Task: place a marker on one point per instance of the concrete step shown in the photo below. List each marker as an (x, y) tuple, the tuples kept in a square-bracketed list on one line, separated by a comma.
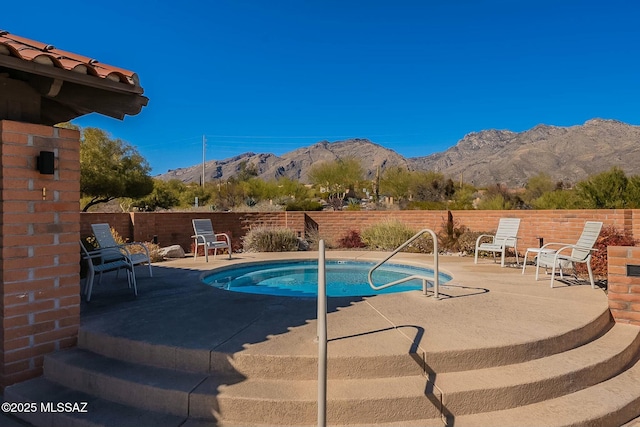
[(146, 387), (99, 412), (284, 400), (611, 403), (295, 402), (413, 397), (252, 363), (502, 387)]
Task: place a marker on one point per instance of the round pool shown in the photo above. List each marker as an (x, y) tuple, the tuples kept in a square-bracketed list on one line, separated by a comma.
[(300, 278)]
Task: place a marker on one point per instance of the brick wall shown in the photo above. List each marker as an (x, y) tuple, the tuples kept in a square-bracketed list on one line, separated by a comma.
[(175, 228), (624, 292), (39, 256)]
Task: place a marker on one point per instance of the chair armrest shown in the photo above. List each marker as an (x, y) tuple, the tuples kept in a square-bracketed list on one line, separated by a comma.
[(226, 237), (99, 254), (481, 236), (560, 244), (199, 237)]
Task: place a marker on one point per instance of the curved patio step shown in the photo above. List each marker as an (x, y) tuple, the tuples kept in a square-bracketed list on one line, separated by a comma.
[(503, 387), (365, 365), (290, 401), (610, 403), (99, 412), (409, 398), (141, 386)]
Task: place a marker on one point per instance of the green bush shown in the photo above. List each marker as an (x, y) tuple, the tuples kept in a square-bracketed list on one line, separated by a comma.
[(270, 239), (303, 205), (386, 235)]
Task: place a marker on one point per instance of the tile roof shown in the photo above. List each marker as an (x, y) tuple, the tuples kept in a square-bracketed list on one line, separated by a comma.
[(45, 85), (42, 53)]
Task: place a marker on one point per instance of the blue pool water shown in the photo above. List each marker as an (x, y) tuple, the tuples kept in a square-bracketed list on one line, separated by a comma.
[(300, 278)]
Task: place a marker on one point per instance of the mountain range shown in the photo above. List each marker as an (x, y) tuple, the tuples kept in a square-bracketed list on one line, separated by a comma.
[(488, 157)]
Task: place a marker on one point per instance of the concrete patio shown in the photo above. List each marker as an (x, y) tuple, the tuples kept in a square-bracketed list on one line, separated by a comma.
[(498, 348)]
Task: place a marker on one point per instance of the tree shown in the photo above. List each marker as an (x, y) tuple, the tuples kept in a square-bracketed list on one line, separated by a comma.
[(395, 182), (538, 185), (558, 199), (337, 178), (163, 196), (606, 190), (111, 168)]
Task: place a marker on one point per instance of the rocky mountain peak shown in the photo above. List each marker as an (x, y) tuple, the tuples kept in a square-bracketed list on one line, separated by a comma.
[(483, 158)]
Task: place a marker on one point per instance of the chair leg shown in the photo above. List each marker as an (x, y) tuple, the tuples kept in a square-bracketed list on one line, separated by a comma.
[(524, 262), (553, 272), (133, 279), (502, 258), (593, 285), (89, 286)]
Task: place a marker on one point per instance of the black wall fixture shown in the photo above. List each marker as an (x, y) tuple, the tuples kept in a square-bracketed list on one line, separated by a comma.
[(46, 162)]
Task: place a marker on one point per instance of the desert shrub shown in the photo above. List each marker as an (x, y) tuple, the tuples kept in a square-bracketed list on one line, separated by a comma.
[(353, 204), (303, 205), (270, 239), (351, 240), (154, 249), (386, 235), (423, 245), (449, 235), (425, 205), (609, 236), (467, 241), (313, 237)]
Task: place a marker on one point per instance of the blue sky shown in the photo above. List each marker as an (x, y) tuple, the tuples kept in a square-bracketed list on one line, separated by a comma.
[(414, 76)]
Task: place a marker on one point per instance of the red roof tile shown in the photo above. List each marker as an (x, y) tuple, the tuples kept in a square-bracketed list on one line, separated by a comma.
[(41, 53)]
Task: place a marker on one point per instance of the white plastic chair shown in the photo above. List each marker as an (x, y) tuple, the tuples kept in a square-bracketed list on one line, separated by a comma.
[(506, 237), (96, 263), (112, 250), (205, 236), (580, 252)]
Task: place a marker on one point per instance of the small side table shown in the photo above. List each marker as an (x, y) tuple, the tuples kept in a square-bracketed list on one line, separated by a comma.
[(534, 251)]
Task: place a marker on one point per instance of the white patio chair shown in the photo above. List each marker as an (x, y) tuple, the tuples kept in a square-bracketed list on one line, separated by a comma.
[(205, 236), (97, 263), (102, 233), (580, 252), (506, 237)]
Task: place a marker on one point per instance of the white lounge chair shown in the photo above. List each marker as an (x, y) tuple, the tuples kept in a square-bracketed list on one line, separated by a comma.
[(580, 252), (205, 236), (506, 237), (113, 250), (97, 263)]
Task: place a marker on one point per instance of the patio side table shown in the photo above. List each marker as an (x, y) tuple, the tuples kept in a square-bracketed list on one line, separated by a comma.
[(534, 251)]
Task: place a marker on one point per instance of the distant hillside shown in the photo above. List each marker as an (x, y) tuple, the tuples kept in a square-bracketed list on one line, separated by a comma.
[(295, 164), (566, 153), (483, 158)]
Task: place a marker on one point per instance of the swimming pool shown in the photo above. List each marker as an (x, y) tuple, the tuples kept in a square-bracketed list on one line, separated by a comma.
[(300, 278)]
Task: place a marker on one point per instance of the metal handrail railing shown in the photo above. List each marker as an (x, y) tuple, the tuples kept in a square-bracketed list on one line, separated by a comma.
[(415, 276)]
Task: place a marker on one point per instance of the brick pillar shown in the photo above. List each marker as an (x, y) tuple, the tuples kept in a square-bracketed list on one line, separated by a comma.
[(623, 290), (39, 249)]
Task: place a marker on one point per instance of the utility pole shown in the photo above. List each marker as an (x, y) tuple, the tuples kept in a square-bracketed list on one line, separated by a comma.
[(204, 152)]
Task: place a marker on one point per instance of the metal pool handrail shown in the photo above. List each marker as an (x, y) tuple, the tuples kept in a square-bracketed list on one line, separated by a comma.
[(415, 276)]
